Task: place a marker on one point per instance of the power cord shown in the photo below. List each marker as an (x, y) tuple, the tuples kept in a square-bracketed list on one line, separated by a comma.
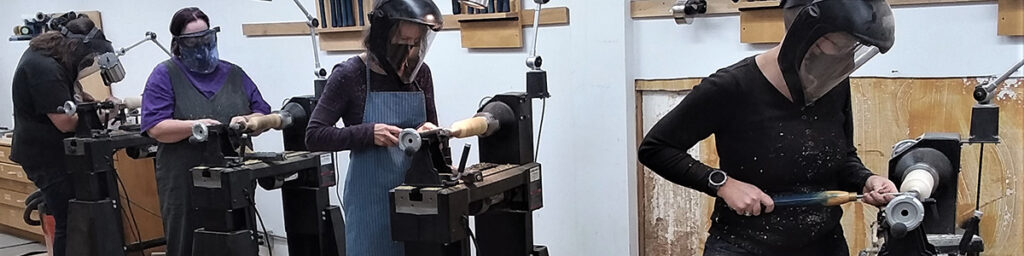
[(465, 219), (543, 109), (266, 235), (131, 211)]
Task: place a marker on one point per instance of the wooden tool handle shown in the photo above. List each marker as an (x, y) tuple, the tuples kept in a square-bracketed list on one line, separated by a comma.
[(469, 127), (838, 197), (271, 121)]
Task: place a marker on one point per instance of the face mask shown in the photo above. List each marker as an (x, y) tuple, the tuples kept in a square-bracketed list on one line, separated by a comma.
[(199, 50)]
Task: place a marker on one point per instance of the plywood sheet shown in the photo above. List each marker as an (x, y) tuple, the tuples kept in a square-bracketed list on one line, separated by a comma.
[(140, 186), (885, 112), (1011, 18)]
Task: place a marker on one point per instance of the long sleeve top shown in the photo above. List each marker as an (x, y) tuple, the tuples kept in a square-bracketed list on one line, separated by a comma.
[(344, 98), (766, 140)]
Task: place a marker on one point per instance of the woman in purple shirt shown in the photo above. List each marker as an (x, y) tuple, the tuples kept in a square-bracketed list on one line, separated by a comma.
[(194, 86), (377, 94)]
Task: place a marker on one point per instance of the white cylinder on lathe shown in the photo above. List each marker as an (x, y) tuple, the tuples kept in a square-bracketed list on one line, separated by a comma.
[(920, 181), (132, 102)]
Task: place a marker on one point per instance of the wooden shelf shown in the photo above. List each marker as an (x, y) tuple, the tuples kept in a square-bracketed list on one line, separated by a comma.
[(491, 30), (478, 17), (661, 8), (758, 4), (341, 29)]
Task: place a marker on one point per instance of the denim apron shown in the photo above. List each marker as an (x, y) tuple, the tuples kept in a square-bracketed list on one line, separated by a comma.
[(374, 171)]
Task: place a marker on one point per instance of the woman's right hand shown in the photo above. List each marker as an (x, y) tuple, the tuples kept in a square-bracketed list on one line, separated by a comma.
[(744, 198), (385, 135)]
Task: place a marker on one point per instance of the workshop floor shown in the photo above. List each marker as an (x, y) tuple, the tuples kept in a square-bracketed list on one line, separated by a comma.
[(15, 246)]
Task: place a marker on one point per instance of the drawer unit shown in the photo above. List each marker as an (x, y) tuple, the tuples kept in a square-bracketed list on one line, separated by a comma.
[(13, 172), (11, 216), (12, 198), (5, 152), (17, 186)]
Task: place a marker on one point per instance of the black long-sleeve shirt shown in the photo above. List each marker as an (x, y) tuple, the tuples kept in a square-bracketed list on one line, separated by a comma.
[(766, 140)]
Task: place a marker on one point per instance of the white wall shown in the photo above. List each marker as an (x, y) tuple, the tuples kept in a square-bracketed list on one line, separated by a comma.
[(953, 40), (588, 141), (586, 159)]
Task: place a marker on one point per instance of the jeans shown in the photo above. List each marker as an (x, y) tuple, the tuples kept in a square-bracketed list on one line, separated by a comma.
[(56, 195)]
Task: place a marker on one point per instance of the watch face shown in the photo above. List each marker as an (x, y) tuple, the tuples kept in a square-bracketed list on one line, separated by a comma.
[(717, 178)]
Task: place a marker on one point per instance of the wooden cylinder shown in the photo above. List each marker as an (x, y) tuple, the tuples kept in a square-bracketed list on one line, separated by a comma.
[(469, 127), (264, 122)]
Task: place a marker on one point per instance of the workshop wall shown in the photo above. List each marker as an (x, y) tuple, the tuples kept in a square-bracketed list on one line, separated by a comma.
[(588, 199), (674, 219)]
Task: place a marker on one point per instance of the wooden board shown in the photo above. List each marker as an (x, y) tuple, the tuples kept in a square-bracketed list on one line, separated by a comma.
[(297, 28), (1011, 18), (661, 8), (94, 85), (885, 111), (5, 154), (492, 34), (666, 84), (762, 25), (140, 186), (342, 41)]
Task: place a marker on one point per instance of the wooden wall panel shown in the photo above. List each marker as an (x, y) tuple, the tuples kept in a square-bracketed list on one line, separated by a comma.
[(885, 112)]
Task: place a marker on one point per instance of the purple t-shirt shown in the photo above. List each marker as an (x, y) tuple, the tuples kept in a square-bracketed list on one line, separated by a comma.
[(158, 97)]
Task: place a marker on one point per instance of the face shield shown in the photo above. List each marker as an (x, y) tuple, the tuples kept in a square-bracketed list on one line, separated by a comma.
[(407, 49), (831, 60), (199, 50), (829, 40)]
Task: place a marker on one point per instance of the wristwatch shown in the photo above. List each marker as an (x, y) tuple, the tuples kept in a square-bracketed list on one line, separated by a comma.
[(716, 179)]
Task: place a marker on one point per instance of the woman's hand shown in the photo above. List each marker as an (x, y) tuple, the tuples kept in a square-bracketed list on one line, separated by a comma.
[(385, 135), (744, 198), (875, 190), (426, 127)]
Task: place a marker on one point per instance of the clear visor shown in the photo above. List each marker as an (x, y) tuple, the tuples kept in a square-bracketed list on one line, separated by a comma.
[(408, 47), (830, 61), (202, 38)]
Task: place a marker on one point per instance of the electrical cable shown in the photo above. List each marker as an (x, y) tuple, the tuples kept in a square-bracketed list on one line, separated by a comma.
[(131, 211), (266, 235), (543, 109), (472, 237), (483, 100)]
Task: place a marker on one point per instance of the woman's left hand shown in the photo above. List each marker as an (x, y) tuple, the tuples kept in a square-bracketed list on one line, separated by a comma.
[(426, 127), (875, 190)]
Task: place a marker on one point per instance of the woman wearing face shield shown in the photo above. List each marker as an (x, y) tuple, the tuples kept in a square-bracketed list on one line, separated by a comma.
[(783, 124), (377, 94), (44, 79), (194, 86)]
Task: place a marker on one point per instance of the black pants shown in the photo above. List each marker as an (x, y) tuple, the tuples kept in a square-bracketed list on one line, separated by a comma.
[(56, 195), (716, 247)]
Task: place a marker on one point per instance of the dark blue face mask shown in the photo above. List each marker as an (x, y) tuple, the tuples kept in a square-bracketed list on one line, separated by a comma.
[(199, 50)]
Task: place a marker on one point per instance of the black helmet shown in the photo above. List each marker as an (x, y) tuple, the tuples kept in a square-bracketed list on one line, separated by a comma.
[(400, 34), (868, 24)]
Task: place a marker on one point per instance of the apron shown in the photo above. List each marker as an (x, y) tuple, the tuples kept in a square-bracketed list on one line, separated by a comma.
[(375, 171), (175, 160)]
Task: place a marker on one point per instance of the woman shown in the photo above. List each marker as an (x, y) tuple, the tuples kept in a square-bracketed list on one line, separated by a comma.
[(194, 86), (377, 94), (45, 79)]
